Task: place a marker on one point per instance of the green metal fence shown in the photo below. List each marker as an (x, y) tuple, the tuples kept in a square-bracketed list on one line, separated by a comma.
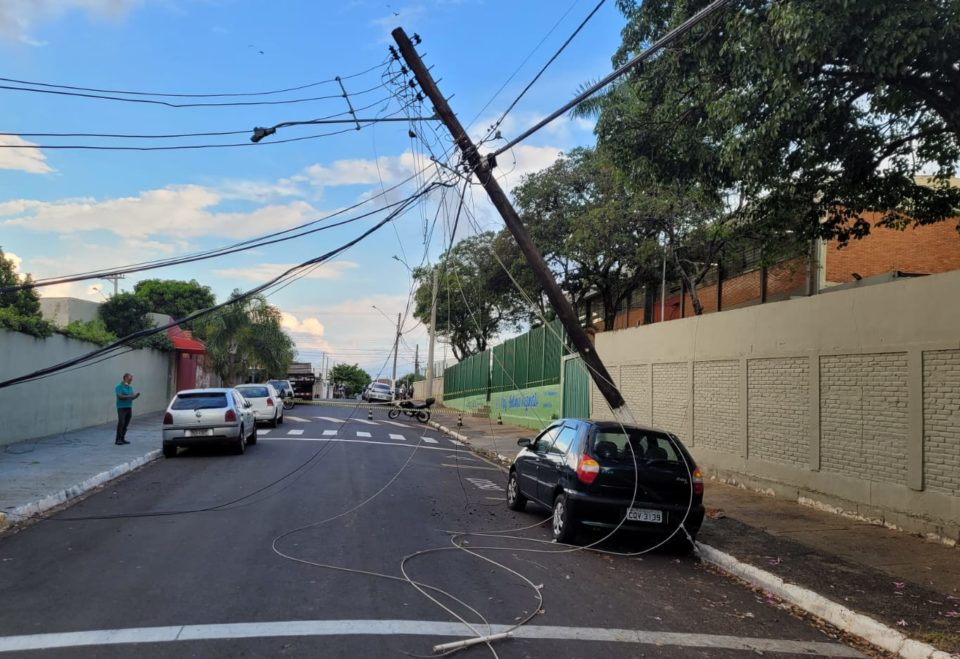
[(576, 389), (471, 377), (528, 360)]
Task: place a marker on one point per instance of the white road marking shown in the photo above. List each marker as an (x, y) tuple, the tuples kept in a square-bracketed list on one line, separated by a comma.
[(416, 447), (298, 419), (361, 433), (294, 432), (453, 441), (261, 431), (484, 484), (396, 423), (293, 628), (369, 423), (429, 440), (394, 435), (329, 418), (463, 466), (329, 432)]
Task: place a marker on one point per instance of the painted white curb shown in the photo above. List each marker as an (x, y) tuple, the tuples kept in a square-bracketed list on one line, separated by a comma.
[(26, 511), (452, 433), (837, 615)]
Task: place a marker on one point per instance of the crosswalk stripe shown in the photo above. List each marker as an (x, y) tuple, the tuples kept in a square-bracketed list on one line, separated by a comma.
[(369, 423), (263, 432), (396, 436), (361, 433), (328, 418), (429, 440), (298, 419), (396, 423), (329, 432), (294, 432)]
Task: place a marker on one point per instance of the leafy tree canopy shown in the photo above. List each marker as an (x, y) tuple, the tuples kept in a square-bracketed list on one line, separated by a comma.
[(352, 377), (475, 297), (246, 336), (814, 111), (24, 302), (124, 314)]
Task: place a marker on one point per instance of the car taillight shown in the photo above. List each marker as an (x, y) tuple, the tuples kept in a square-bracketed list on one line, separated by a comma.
[(269, 402), (587, 469), (230, 416), (168, 419), (697, 481)]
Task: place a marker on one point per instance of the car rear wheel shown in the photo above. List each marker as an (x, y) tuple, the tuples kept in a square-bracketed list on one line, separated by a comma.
[(280, 420), (515, 498), (273, 421), (169, 450), (241, 444), (253, 436), (564, 525)]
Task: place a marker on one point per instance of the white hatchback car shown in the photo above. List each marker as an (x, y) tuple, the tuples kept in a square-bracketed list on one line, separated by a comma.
[(378, 392), (204, 417), (267, 404)]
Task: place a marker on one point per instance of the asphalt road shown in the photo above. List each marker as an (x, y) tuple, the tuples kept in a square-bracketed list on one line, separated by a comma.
[(298, 548)]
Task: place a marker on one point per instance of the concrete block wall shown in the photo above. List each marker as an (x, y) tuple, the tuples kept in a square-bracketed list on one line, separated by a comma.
[(77, 398), (849, 400)]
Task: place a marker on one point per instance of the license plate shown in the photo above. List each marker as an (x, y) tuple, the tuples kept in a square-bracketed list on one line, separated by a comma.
[(645, 515), (199, 433)]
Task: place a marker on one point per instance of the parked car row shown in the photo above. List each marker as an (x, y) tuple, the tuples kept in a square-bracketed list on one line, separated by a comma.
[(221, 416)]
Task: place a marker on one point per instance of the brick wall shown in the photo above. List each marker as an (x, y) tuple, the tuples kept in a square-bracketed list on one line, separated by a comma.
[(598, 404), (941, 420), (778, 410), (929, 249), (716, 405), (635, 387), (671, 397), (864, 417)]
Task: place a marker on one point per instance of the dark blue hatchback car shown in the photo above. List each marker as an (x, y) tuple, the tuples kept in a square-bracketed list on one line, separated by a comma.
[(605, 475)]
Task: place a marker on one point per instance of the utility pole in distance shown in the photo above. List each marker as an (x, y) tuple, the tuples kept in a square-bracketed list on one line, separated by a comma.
[(483, 168), (433, 333), (396, 349)]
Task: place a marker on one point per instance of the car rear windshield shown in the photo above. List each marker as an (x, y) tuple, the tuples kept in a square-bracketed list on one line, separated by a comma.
[(253, 392), (382, 387), (614, 445), (200, 401)]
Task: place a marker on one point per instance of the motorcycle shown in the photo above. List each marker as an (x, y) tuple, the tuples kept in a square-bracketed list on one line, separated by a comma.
[(288, 402), (420, 410)]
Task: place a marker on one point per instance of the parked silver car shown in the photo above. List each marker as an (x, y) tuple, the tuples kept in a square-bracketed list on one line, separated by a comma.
[(378, 392), (267, 404), (204, 417)]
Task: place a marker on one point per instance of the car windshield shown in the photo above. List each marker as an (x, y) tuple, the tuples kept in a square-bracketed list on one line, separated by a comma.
[(253, 392), (200, 401), (382, 387), (613, 445)]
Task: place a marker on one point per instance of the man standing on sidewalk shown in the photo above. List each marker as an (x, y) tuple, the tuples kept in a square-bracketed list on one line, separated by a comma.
[(125, 398)]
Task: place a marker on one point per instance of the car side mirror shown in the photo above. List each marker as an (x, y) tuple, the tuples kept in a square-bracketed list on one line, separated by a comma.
[(524, 442)]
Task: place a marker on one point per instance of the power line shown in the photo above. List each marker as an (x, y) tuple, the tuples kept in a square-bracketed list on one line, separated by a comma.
[(147, 101), (289, 274), (544, 68), (655, 47), (184, 95)]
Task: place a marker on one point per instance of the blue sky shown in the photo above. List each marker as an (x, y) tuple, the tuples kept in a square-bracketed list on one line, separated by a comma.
[(63, 212)]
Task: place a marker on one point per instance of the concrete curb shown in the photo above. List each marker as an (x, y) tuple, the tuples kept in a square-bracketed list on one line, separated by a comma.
[(502, 459), (870, 630), (26, 511)]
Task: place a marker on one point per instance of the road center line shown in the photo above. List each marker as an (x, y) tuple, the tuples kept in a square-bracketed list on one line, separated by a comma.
[(298, 419), (419, 447), (181, 633)]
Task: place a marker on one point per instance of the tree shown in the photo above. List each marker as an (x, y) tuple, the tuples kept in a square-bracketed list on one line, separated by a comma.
[(814, 111), (353, 378), (24, 302), (596, 232), (176, 298), (475, 299), (247, 335), (125, 314)]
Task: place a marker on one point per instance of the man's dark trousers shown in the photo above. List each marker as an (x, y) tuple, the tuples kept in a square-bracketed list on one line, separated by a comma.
[(123, 420)]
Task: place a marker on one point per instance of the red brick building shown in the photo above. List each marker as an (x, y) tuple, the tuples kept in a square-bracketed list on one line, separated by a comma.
[(884, 254)]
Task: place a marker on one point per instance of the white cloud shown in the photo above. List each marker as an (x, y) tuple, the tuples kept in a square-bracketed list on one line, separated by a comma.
[(182, 211), (28, 160), (307, 333), (266, 271), (522, 160), (18, 16), (16, 260), (24, 39), (388, 169)]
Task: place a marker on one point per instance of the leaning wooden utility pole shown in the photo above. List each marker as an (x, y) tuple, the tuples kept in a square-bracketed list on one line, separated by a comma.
[(483, 168)]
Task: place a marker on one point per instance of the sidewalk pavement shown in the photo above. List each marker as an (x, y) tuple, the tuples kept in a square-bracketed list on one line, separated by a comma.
[(39, 474), (897, 591)]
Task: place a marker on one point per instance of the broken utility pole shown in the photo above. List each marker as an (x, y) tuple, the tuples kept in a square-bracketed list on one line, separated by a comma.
[(483, 168)]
